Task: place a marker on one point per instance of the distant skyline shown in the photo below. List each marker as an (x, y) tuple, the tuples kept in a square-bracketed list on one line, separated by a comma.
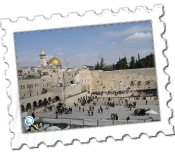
[(85, 45)]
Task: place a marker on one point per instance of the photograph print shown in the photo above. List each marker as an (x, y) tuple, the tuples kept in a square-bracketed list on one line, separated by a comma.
[(83, 77)]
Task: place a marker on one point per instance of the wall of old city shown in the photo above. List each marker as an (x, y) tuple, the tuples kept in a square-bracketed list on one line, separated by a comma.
[(68, 76), (72, 90), (86, 80), (136, 79), (70, 100), (57, 91)]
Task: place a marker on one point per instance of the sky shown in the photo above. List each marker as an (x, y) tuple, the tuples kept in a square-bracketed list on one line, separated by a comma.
[(85, 45)]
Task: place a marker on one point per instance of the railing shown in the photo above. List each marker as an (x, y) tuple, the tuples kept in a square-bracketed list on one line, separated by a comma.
[(90, 122)]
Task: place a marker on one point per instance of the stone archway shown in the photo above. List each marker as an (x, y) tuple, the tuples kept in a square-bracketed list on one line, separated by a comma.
[(45, 100), (29, 109), (49, 99), (57, 98), (22, 108), (35, 105), (40, 103)]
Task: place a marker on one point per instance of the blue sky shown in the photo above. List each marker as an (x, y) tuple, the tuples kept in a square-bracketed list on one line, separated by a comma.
[(85, 45)]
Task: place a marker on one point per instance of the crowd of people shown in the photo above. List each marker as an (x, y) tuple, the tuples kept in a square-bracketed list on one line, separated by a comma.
[(130, 105), (62, 109), (140, 111)]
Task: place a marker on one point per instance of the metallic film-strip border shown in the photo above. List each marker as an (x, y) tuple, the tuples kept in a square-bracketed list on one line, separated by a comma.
[(14, 10)]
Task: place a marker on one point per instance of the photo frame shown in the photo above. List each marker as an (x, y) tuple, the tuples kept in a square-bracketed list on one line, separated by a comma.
[(156, 136)]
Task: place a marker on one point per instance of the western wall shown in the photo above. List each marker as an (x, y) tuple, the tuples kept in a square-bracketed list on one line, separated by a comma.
[(118, 80)]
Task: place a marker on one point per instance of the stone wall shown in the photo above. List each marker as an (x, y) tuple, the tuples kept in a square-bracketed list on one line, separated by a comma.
[(136, 79), (72, 90), (86, 80), (68, 76), (70, 101)]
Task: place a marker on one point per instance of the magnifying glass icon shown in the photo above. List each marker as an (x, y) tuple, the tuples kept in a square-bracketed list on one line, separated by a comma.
[(29, 121)]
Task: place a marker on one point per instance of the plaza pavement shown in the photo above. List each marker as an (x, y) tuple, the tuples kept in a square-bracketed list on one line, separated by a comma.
[(122, 111)]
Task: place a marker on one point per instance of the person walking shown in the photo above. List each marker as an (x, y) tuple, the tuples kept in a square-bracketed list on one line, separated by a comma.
[(101, 110), (146, 102), (92, 112), (79, 108), (89, 112), (83, 109)]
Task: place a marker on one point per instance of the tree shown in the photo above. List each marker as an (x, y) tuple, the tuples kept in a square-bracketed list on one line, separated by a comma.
[(97, 67), (122, 64), (102, 64), (132, 64), (138, 57)]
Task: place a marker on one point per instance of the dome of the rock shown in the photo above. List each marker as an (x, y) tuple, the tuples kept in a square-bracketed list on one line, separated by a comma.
[(54, 61)]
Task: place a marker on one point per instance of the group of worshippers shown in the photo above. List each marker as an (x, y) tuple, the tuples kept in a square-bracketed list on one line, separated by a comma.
[(114, 116), (98, 93), (131, 105), (60, 110), (140, 111), (111, 104)]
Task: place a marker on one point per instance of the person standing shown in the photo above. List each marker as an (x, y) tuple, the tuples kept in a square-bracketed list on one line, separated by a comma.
[(89, 112), (112, 116), (56, 113), (92, 112), (83, 109), (116, 116), (79, 108), (33, 115), (101, 110), (146, 102)]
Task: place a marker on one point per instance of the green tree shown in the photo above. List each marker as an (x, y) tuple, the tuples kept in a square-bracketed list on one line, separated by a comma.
[(102, 64), (97, 67), (138, 57), (132, 64)]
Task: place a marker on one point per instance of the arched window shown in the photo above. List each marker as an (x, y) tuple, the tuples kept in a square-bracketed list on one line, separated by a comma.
[(21, 86)]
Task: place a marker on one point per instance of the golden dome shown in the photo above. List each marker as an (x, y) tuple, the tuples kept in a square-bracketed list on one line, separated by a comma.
[(54, 61)]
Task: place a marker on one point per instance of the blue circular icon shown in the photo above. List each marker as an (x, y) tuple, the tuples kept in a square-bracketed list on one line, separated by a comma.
[(29, 120)]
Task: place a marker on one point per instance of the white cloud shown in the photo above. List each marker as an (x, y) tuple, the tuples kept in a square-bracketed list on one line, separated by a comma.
[(138, 37), (128, 31), (60, 54), (113, 43), (28, 62)]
